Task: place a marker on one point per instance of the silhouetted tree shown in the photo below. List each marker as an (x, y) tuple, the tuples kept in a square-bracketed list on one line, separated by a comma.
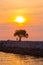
[(20, 34)]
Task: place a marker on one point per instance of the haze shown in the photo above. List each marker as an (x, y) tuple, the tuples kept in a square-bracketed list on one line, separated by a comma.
[(32, 10)]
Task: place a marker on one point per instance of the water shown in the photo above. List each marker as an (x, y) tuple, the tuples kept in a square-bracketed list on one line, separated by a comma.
[(16, 59)]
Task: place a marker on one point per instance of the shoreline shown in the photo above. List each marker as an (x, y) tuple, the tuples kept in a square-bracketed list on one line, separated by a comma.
[(23, 48)]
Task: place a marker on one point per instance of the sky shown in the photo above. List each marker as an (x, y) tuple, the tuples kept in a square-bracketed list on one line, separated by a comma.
[(32, 10)]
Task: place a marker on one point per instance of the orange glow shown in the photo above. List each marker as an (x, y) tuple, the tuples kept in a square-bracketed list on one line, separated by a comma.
[(31, 18), (20, 20)]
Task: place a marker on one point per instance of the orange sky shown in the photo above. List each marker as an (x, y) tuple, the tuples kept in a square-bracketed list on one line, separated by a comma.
[(32, 10)]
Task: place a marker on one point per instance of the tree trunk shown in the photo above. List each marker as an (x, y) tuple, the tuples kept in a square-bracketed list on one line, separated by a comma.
[(19, 38)]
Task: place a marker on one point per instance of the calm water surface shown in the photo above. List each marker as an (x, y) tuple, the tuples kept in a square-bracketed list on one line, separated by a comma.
[(16, 59)]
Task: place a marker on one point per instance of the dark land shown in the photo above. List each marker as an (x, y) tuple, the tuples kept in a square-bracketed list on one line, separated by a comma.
[(33, 48)]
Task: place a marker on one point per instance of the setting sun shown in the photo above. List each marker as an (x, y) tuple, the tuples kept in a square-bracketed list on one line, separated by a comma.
[(20, 19)]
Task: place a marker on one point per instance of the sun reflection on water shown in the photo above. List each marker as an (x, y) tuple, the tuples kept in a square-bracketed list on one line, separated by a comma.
[(16, 59)]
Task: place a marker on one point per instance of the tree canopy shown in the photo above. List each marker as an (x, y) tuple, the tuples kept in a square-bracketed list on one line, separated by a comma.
[(20, 34)]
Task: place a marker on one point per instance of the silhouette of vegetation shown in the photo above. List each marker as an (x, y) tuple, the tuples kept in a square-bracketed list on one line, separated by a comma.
[(20, 34)]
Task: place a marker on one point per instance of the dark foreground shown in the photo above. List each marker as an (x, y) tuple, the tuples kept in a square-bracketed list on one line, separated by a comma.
[(23, 51), (38, 52)]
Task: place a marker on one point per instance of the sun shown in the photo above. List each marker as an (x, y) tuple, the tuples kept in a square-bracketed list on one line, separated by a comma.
[(20, 19)]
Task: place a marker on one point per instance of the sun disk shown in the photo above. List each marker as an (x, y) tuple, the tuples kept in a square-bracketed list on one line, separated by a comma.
[(19, 19)]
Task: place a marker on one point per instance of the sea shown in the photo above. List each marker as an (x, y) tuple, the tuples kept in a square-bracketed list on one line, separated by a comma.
[(17, 59)]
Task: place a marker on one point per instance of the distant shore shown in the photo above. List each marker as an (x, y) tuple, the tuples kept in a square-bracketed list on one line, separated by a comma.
[(21, 48)]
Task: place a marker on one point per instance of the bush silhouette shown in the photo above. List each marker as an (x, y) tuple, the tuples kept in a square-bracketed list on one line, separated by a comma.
[(20, 34)]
